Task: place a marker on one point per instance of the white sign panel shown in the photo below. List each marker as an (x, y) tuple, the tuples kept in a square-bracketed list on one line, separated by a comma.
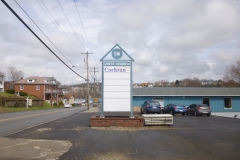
[(117, 87)]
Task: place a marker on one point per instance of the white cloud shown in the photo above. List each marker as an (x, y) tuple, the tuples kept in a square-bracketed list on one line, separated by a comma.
[(167, 39)]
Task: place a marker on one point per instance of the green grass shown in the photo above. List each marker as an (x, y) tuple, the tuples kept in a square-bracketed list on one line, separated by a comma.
[(14, 109), (4, 94), (30, 109), (7, 95)]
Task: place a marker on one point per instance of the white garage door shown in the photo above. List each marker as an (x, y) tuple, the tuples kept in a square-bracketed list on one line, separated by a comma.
[(160, 100)]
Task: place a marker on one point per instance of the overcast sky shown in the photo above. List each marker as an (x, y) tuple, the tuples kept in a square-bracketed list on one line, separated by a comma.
[(168, 40)]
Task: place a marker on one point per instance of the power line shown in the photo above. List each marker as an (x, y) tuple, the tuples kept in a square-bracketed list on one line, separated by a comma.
[(85, 32), (59, 26), (82, 26), (37, 36), (42, 31), (70, 24), (55, 25), (46, 36)]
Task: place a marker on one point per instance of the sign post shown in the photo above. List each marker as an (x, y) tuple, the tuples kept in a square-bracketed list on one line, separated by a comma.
[(27, 102), (117, 81)]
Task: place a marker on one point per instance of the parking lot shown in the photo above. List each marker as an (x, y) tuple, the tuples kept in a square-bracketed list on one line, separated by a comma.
[(190, 137)]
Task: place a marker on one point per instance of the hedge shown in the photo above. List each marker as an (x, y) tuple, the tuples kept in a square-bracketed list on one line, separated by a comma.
[(10, 91)]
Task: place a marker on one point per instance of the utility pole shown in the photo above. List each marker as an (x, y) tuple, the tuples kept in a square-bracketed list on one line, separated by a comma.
[(94, 71), (98, 88), (94, 80), (88, 100), (52, 92)]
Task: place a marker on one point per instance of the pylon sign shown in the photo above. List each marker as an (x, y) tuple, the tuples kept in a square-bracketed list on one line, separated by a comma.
[(116, 81)]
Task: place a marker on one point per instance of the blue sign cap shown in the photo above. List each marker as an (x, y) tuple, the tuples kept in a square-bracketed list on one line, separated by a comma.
[(117, 53)]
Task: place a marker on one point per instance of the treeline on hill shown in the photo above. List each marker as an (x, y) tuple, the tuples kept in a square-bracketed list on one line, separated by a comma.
[(195, 82), (231, 78)]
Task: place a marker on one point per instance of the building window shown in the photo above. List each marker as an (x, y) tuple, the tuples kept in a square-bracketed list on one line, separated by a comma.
[(227, 103), (21, 87), (30, 80), (206, 100), (38, 87)]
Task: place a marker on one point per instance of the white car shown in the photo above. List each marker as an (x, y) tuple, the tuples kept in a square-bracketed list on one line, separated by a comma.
[(67, 105)]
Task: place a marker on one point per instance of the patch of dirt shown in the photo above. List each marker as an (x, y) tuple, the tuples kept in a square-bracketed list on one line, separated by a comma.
[(44, 129)]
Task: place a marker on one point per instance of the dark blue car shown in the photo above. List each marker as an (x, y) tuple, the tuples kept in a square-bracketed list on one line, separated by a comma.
[(151, 107), (175, 109)]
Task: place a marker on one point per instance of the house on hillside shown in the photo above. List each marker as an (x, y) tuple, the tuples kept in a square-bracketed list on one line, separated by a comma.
[(45, 88), (8, 85)]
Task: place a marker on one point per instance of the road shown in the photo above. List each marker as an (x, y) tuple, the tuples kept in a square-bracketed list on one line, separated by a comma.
[(17, 121), (190, 137)]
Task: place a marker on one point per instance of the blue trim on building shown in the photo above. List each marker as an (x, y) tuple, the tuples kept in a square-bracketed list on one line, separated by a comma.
[(216, 102)]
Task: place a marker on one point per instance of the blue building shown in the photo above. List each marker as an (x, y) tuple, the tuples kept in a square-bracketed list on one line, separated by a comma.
[(218, 98)]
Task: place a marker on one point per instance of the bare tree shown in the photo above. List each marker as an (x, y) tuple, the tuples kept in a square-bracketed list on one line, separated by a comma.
[(2, 74), (188, 82), (232, 73), (230, 83), (157, 84), (14, 74)]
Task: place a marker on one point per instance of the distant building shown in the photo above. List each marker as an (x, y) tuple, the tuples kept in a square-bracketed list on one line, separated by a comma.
[(45, 88), (2, 83), (220, 99), (207, 82)]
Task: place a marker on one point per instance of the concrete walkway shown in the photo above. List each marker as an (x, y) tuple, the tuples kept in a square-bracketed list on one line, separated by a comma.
[(93, 109), (18, 148), (227, 114)]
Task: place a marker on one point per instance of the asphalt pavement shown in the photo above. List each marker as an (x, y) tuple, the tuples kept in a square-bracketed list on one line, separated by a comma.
[(190, 137), (17, 121)]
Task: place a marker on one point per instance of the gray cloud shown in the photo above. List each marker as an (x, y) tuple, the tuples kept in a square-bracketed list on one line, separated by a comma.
[(167, 39)]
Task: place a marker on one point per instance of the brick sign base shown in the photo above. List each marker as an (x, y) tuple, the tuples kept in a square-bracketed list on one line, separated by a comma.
[(117, 121)]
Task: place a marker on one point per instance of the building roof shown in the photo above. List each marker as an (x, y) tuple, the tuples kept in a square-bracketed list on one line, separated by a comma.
[(36, 80), (186, 91)]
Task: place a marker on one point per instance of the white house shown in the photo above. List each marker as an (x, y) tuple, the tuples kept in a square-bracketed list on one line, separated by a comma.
[(2, 83)]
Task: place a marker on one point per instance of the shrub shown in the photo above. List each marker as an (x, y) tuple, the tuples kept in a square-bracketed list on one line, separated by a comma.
[(10, 91), (60, 103), (54, 104), (23, 93)]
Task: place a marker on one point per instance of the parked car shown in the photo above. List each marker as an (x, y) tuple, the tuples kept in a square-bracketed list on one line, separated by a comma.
[(199, 109), (174, 109), (77, 103), (151, 107), (67, 105)]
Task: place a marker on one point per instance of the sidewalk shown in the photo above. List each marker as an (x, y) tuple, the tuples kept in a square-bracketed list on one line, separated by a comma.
[(227, 114), (93, 109), (20, 148)]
